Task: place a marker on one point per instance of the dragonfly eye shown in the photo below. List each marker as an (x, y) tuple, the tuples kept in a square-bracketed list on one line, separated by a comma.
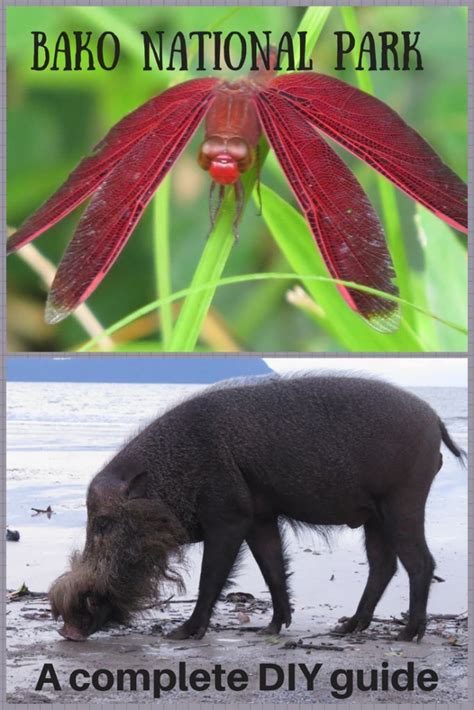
[(211, 150), (238, 149), (212, 147)]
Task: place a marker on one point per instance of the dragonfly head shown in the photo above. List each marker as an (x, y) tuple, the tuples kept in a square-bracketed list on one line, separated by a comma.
[(225, 158)]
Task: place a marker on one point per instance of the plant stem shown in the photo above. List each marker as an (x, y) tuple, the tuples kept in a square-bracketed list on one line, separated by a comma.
[(84, 316)]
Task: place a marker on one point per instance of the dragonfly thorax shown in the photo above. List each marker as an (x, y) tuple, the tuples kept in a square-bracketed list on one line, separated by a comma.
[(225, 158)]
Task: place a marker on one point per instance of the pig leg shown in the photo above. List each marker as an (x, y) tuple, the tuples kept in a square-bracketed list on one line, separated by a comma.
[(221, 546), (410, 544), (265, 544), (382, 561)]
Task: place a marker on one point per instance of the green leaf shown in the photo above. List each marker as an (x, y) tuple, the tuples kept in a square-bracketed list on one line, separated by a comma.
[(445, 272)]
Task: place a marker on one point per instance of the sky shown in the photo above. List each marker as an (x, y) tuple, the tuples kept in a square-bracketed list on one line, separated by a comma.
[(406, 371), (135, 368)]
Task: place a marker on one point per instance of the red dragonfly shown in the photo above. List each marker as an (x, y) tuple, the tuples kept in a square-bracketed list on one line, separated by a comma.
[(128, 165)]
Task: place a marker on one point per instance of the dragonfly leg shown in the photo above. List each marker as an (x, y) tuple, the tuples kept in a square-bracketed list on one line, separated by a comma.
[(212, 213), (215, 202), (239, 206), (257, 169)]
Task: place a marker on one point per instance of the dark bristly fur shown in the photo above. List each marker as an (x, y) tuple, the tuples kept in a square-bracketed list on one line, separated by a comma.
[(129, 554), (235, 462)]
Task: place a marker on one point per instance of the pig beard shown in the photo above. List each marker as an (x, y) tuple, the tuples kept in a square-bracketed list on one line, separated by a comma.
[(128, 565)]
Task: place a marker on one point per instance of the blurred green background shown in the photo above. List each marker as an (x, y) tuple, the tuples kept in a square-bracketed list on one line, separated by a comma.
[(55, 118)]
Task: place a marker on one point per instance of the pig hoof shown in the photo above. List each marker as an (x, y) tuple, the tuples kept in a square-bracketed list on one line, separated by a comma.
[(273, 629), (407, 634), (185, 632), (199, 634), (352, 625), (179, 634), (347, 627), (362, 624)]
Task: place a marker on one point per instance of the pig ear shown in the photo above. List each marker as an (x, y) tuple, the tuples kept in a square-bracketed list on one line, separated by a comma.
[(136, 487)]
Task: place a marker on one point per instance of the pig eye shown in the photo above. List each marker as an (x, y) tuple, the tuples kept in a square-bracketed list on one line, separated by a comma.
[(91, 604), (103, 524)]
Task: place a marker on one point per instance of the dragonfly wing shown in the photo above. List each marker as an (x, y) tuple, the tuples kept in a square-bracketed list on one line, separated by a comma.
[(118, 204), (341, 218), (375, 133), (93, 170)]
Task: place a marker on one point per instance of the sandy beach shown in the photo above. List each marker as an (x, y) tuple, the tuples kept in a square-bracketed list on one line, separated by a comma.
[(250, 668), (326, 585)]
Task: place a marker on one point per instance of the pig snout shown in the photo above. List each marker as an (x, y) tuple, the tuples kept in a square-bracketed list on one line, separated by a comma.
[(71, 633)]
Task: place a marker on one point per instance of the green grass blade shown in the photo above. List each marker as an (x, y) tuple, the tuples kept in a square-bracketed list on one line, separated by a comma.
[(161, 248), (247, 278), (211, 266), (312, 24)]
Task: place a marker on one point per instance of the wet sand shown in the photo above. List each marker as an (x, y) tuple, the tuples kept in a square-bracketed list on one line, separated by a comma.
[(232, 644), (327, 583)]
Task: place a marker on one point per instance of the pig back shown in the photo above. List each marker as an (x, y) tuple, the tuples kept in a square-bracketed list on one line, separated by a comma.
[(317, 448), (325, 438)]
